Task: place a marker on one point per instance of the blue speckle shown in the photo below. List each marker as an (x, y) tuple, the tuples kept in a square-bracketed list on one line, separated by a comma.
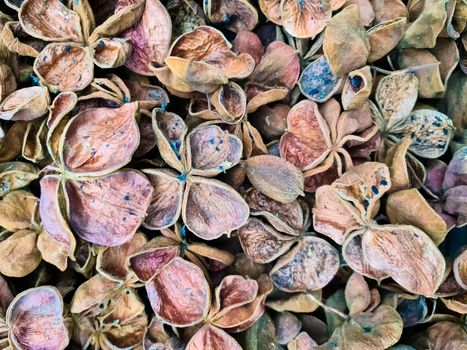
[(122, 132), (126, 100), (182, 177), (221, 168), (34, 79), (93, 151), (164, 105), (212, 141), (126, 197), (374, 189), (175, 145), (183, 232), (221, 142), (445, 131), (101, 43), (67, 48), (383, 183), (366, 329), (356, 82), (77, 2), (218, 149), (366, 203), (106, 145)]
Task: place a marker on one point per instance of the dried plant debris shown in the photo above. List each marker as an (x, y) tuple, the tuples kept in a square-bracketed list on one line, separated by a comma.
[(233, 174)]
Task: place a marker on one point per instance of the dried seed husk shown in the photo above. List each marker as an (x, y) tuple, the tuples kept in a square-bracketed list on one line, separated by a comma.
[(234, 15), (50, 21), (271, 9), (456, 171), (127, 198), (302, 342), (55, 253), (355, 127), (186, 15), (19, 254), (407, 254), (423, 31), (287, 327), (166, 201), (298, 303), (429, 130), (304, 19), (317, 82), (211, 150), (345, 36), (111, 53), (53, 221), (310, 265), (15, 175), (149, 258), (408, 207), (333, 216), (275, 177), (357, 294), (7, 81), (386, 10), (17, 40), (384, 37), (25, 104), (127, 335), (218, 256), (367, 14), (148, 95), (211, 208), (453, 103), (112, 261), (230, 102), (457, 303), (88, 150), (33, 316), (262, 243), (147, 136), (454, 205), (170, 130), (396, 160), (19, 211), (376, 330), (248, 42), (447, 335), (357, 88), (270, 121), (211, 337), (65, 67), (353, 255), (447, 53), (396, 95), (179, 293), (33, 141), (428, 73), (306, 143)]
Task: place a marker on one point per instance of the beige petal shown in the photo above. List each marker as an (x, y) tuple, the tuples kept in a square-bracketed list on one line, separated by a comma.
[(19, 254), (18, 211), (25, 104)]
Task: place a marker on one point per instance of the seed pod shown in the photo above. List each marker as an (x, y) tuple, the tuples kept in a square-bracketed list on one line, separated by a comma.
[(357, 88), (384, 37), (304, 19), (235, 15)]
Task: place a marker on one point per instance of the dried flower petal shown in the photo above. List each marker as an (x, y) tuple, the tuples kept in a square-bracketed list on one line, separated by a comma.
[(304, 18), (235, 15), (25, 104), (357, 294), (210, 337)]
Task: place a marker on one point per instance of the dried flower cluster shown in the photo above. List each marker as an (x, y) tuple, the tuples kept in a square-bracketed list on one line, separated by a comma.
[(233, 174)]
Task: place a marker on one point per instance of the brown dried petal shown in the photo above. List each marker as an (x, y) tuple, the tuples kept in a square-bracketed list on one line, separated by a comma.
[(262, 243), (65, 67), (15, 175), (429, 130), (212, 150), (307, 141), (447, 335), (212, 208), (36, 321), (219, 257), (166, 202), (9, 146), (287, 327), (18, 41), (18, 211), (302, 342), (96, 290), (230, 102), (386, 10), (25, 104), (384, 37), (50, 20), (407, 254), (397, 163), (111, 53), (460, 269), (357, 88), (235, 15), (357, 294), (275, 177), (100, 150), (19, 254), (270, 121), (233, 292), (305, 18), (210, 337), (53, 252), (408, 207), (311, 265), (300, 302), (333, 216), (122, 208), (53, 221), (179, 293), (345, 37), (126, 335), (249, 42)]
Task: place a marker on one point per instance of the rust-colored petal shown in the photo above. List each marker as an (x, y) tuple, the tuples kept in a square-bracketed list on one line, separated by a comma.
[(429, 130), (25, 104), (311, 265), (211, 337), (396, 160), (262, 243), (201, 76), (234, 291), (409, 207), (407, 254), (111, 53), (19, 254), (307, 140), (149, 258), (333, 216), (270, 121), (302, 342), (248, 42), (65, 67), (235, 15), (150, 37), (272, 10), (179, 293), (386, 10), (109, 209), (345, 37), (9, 146), (212, 150), (99, 150), (51, 213), (112, 261), (275, 177), (212, 208), (127, 335), (305, 18), (317, 82), (231, 65), (166, 201), (50, 20), (35, 318)]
